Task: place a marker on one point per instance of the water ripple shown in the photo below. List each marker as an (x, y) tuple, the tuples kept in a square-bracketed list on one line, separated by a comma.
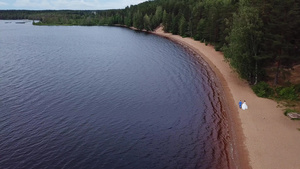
[(73, 98)]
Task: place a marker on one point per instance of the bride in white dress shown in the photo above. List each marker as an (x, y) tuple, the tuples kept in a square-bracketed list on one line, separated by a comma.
[(244, 106)]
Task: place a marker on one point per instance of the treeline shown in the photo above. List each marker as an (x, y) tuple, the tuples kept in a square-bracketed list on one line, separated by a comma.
[(66, 17), (253, 34)]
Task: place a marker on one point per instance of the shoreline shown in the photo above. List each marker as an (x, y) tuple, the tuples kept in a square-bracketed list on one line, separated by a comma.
[(262, 137), (236, 151)]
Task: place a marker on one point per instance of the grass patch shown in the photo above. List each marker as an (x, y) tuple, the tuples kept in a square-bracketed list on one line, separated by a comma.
[(286, 96)]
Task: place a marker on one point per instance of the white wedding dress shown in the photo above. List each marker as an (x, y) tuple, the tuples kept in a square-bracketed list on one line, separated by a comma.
[(244, 106)]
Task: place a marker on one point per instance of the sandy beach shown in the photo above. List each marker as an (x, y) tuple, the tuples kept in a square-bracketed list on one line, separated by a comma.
[(265, 138)]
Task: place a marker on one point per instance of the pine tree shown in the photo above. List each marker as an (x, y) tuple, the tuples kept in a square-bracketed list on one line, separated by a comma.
[(182, 26), (281, 23), (147, 24), (138, 20)]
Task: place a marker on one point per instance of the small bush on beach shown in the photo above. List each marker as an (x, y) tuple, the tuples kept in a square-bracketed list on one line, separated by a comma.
[(263, 89), (290, 93), (218, 47), (287, 93)]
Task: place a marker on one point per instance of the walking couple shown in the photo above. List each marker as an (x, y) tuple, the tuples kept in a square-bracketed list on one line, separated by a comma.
[(243, 105)]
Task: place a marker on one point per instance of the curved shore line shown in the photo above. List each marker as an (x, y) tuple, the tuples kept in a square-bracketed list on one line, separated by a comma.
[(236, 151), (262, 136)]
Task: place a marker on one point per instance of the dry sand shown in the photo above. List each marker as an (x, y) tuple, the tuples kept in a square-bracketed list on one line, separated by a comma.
[(266, 138)]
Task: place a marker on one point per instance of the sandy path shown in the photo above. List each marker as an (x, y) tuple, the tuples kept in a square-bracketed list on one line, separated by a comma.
[(271, 140)]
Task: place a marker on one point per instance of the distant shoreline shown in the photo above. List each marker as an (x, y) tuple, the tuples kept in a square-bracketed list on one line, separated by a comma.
[(262, 136)]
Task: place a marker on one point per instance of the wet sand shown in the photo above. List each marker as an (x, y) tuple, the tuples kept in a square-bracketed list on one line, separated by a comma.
[(262, 137)]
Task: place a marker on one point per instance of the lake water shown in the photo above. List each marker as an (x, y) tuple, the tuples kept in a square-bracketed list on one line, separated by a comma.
[(106, 97)]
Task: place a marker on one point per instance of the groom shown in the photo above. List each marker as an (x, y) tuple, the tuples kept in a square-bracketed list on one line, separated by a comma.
[(240, 104)]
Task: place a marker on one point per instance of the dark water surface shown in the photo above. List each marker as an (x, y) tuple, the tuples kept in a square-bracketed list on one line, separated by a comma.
[(105, 97)]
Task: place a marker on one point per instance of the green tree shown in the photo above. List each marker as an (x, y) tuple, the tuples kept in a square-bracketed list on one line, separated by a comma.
[(200, 30), (138, 20), (157, 18), (147, 23), (281, 28), (167, 21), (182, 26), (244, 41), (174, 26)]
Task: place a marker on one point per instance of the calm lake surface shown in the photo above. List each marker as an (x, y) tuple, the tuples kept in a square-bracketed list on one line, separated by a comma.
[(105, 97)]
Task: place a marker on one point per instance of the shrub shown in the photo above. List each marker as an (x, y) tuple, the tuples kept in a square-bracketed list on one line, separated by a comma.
[(218, 47), (287, 93), (297, 88), (262, 89)]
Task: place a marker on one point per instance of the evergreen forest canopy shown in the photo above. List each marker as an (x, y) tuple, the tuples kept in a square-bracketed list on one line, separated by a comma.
[(255, 35)]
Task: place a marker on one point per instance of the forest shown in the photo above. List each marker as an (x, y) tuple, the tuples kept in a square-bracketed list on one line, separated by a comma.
[(259, 38)]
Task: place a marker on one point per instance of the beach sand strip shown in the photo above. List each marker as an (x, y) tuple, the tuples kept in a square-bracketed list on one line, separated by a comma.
[(263, 137)]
